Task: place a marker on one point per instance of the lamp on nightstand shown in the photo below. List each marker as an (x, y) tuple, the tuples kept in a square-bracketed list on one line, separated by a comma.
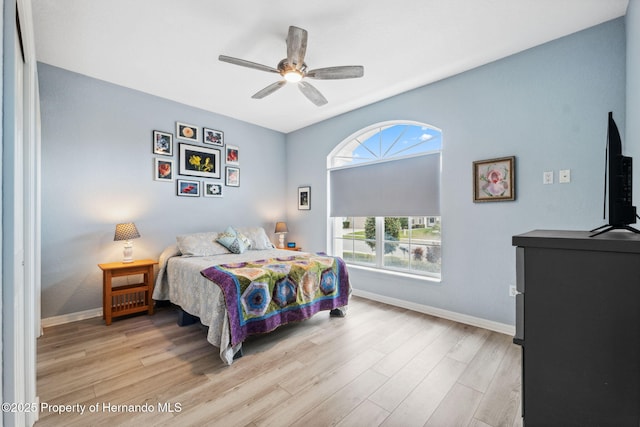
[(281, 229), (127, 232)]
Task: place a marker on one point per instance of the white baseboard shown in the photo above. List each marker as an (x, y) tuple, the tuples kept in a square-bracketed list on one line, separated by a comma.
[(502, 328), (433, 311), (71, 317)]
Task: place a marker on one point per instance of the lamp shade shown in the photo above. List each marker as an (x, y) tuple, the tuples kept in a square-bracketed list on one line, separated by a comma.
[(126, 231), (281, 227)]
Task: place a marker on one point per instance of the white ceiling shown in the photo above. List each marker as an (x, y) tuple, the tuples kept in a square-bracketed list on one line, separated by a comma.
[(169, 48)]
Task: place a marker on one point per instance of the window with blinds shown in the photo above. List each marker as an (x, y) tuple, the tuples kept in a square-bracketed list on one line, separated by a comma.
[(384, 198)]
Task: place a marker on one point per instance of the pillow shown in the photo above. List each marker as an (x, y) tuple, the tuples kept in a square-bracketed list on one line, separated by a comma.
[(200, 244), (257, 236), (234, 241)]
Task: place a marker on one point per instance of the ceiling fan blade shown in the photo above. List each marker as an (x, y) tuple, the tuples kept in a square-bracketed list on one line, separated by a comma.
[(248, 64), (296, 46), (331, 73), (269, 89), (312, 93)]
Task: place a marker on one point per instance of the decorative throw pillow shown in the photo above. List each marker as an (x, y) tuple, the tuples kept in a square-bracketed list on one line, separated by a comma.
[(200, 244), (234, 241), (257, 236)]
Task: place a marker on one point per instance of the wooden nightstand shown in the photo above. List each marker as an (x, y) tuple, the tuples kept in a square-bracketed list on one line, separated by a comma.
[(127, 299), (292, 249)]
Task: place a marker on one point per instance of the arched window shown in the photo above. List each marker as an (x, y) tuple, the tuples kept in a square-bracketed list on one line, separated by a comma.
[(384, 198)]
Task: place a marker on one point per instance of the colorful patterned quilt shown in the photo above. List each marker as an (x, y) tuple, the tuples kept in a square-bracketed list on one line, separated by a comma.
[(264, 294)]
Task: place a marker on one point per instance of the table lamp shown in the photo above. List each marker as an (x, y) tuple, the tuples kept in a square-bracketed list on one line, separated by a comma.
[(281, 229), (127, 232)]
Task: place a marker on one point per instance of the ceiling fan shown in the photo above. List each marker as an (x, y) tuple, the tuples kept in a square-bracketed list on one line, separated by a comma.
[(294, 69)]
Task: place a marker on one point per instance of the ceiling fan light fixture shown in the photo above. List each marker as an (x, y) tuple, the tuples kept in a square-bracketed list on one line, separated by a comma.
[(294, 69), (293, 76)]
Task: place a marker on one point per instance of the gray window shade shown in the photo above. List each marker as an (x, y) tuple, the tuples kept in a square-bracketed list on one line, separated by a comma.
[(404, 187)]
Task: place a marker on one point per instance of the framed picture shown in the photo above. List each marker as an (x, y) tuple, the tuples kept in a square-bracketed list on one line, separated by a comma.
[(199, 161), (493, 180), (163, 169), (304, 198), (162, 143), (212, 189), (188, 188), (232, 177), (185, 131), (233, 155), (213, 137)]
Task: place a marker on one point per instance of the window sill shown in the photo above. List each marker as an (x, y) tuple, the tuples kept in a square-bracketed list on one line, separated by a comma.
[(396, 273)]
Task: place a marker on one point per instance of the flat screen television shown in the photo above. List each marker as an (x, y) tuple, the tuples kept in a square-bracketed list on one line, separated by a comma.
[(618, 184)]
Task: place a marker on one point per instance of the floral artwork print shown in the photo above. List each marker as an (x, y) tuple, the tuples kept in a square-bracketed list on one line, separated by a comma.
[(199, 161), (186, 131), (232, 177), (163, 169), (233, 155), (162, 143), (212, 189), (199, 164), (188, 188), (214, 137), (493, 180)]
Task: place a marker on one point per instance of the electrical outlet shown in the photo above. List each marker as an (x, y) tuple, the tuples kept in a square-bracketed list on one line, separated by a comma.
[(512, 291), (547, 177)]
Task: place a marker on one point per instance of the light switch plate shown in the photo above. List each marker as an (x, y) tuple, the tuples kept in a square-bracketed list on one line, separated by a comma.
[(547, 177), (564, 176)]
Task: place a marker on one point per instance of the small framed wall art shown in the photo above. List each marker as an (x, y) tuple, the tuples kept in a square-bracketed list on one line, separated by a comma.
[(233, 155), (212, 189), (188, 188), (199, 161), (232, 177), (163, 169), (185, 131), (304, 198), (213, 137), (493, 180), (162, 143)]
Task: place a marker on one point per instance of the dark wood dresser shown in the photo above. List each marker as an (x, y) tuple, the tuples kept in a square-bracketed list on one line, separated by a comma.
[(578, 322)]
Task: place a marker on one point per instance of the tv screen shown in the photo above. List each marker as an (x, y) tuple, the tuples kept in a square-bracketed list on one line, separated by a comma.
[(618, 176)]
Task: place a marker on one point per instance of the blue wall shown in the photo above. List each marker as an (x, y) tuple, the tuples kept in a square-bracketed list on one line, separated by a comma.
[(97, 170), (547, 106)]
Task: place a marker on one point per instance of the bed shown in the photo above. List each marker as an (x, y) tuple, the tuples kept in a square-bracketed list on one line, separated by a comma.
[(237, 292)]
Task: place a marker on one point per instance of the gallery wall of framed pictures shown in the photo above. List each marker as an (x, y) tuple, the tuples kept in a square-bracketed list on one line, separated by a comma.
[(201, 153)]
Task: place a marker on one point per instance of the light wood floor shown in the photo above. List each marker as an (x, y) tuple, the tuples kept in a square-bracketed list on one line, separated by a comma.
[(380, 365)]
